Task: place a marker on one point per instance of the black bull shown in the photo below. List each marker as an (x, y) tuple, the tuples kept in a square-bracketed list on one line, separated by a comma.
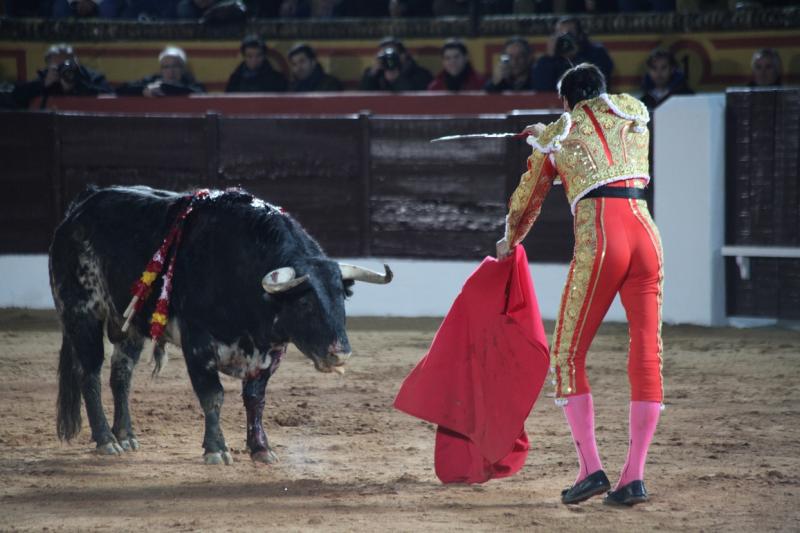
[(219, 314)]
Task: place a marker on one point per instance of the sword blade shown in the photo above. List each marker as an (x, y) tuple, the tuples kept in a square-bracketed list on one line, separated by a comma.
[(477, 136)]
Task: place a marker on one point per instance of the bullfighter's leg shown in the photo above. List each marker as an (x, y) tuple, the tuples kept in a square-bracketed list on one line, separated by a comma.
[(126, 355), (253, 396), (206, 384), (85, 332)]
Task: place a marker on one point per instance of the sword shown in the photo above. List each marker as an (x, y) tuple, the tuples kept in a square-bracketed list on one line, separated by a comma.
[(520, 135)]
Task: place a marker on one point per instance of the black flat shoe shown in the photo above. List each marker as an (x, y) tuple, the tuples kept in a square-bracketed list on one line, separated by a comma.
[(631, 494), (592, 485)]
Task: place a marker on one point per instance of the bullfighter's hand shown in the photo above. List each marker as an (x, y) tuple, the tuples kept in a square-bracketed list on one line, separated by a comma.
[(534, 130), (503, 250), (153, 89)]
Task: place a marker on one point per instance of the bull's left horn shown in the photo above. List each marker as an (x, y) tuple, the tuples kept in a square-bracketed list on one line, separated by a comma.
[(281, 280), (357, 273)]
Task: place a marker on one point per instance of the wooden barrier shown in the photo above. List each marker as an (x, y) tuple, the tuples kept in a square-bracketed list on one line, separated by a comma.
[(361, 184), (414, 103), (763, 202)]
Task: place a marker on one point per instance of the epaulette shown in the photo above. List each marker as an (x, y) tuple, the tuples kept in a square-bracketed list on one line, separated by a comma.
[(550, 139), (628, 107)]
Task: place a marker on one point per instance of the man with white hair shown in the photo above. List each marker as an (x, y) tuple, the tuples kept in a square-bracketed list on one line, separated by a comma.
[(173, 79)]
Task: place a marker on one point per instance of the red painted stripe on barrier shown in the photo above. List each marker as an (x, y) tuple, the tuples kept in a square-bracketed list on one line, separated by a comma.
[(731, 43)]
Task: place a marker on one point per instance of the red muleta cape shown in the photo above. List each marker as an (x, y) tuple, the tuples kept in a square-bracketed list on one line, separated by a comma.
[(482, 374)]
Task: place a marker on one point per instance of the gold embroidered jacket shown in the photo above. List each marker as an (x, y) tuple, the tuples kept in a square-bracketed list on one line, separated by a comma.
[(602, 140)]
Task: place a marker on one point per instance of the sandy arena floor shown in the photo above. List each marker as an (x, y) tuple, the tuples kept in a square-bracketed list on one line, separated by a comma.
[(725, 458)]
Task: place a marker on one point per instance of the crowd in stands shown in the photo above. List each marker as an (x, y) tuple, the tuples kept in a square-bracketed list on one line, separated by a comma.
[(232, 9), (393, 70)]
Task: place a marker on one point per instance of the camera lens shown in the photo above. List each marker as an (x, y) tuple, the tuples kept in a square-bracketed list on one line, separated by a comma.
[(390, 60)]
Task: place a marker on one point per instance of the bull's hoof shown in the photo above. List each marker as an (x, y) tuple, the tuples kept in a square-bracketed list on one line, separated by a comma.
[(129, 445), (109, 448), (264, 456), (218, 458)]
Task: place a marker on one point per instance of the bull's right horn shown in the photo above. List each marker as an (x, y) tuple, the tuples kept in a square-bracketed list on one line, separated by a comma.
[(281, 280), (357, 273)]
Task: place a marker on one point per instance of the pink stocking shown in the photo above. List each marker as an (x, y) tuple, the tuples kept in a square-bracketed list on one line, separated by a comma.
[(643, 420), (580, 416)]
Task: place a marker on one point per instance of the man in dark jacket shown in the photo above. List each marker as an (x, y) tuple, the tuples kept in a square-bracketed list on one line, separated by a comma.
[(255, 73), (568, 46), (663, 79), (307, 73), (394, 70), (63, 75), (173, 79), (513, 72)]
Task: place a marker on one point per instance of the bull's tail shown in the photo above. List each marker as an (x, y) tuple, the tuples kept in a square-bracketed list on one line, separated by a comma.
[(68, 405)]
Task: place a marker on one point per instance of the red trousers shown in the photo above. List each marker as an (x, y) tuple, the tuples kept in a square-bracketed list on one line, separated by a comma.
[(617, 250)]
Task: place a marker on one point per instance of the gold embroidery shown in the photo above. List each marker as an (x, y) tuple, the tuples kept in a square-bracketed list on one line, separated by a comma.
[(574, 295), (526, 201)]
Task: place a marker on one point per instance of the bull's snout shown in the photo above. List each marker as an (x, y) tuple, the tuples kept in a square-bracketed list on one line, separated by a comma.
[(334, 361)]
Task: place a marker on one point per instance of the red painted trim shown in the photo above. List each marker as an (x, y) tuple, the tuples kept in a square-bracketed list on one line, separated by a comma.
[(702, 53), (419, 103), (733, 43), (599, 131)]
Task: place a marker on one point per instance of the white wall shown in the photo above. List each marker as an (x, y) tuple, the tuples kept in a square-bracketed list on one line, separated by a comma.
[(420, 288), (690, 206)]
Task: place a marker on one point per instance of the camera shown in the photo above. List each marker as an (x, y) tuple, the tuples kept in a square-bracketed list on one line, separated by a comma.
[(68, 71), (566, 45), (390, 59)]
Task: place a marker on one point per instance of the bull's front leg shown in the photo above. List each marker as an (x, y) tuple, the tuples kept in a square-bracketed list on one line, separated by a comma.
[(254, 395), (206, 384)]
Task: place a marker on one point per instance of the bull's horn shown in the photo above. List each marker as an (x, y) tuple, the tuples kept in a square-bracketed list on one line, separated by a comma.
[(357, 273), (281, 280)]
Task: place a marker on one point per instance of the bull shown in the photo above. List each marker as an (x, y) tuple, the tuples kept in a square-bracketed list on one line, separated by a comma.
[(247, 280)]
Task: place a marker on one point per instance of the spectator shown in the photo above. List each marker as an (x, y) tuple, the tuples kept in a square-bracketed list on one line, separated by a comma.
[(307, 73), (106, 9), (409, 8), (255, 73), (457, 73), (663, 79), (513, 72), (394, 70), (569, 45), (63, 75), (173, 79), (766, 68), (144, 10), (292, 9), (193, 9), (212, 11)]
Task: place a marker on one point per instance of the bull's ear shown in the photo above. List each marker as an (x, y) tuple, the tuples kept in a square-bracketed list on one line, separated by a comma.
[(281, 280)]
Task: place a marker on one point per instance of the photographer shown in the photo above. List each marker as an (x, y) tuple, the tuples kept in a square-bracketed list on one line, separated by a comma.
[(569, 45), (394, 70), (173, 79), (513, 71), (63, 75)]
